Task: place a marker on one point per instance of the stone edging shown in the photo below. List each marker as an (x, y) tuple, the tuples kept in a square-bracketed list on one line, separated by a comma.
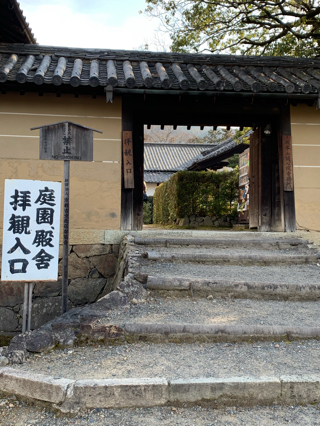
[(72, 395)]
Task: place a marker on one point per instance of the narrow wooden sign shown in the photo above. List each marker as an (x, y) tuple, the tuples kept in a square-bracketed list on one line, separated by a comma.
[(287, 163), (127, 156), (66, 141)]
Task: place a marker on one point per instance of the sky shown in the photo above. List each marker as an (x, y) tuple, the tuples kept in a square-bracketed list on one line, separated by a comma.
[(103, 24)]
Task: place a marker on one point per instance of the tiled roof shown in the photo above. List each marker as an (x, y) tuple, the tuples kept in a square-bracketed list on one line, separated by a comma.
[(158, 71), (167, 157), (13, 25), (212, 158), (157, 177)]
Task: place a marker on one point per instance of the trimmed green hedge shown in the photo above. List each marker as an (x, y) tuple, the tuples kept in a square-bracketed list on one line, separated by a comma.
[(148, 210), (189, 193)]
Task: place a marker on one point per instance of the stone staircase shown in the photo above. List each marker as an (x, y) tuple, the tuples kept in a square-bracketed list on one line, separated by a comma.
[(228, 320), (281, 272)]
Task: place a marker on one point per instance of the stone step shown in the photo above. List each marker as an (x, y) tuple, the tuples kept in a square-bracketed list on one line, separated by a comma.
[(197, 287), (147, 375), (261, 243), (188, 319), (232, 259), (288, 274)]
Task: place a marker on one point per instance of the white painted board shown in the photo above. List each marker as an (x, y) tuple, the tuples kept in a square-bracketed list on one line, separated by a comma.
[(31, 226)]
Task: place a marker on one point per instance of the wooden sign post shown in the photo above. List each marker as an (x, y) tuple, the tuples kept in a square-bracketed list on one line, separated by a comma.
[(66, 141)]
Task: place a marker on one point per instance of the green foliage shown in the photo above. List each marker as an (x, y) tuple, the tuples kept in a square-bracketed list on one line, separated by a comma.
[(189, 193), (249, 27), (233, 161), (148, 211)]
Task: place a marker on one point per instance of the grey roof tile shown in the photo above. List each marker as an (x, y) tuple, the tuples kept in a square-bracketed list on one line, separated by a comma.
[(170, 157), (192, 72)]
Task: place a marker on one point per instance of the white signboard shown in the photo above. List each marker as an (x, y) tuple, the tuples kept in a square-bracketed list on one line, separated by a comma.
[(31, 222)]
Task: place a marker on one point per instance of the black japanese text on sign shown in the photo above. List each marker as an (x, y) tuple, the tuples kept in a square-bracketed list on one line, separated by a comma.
[(127, 158), (287, 163), (30, 249)]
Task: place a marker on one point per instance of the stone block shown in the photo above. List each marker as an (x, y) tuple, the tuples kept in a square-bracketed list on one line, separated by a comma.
[(11, 293), (78, 267), (118, 393), (304, 389), (184, 221), (105, 264), (244, 390), (111, 300), (44, 310), (88, 250), (116, 249), (8, 320), (192, 218), (3, 361), (39, 341), (34, 386), (199, 219), (61, 251), (47, 288), (85, 290), (207, 221)]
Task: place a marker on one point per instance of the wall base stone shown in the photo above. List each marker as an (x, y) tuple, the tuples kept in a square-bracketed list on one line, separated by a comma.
[(91, 271)]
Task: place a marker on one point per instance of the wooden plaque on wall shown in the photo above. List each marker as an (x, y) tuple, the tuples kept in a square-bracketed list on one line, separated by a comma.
[(127, 157), (287, 163)]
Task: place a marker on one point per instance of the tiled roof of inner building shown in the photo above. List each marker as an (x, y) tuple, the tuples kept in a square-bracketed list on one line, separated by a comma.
[(157, 177), (167, 157), (158, 71)]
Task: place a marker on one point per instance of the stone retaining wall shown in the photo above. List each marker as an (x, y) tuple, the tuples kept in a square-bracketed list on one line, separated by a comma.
[(197, 221), (91, 273)]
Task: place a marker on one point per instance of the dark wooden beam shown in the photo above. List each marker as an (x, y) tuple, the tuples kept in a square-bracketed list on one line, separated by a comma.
[(265, 183), (126, 194), (138, 156), (288, 196)]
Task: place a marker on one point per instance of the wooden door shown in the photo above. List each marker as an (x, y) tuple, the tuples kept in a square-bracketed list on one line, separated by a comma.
[(254, 182)]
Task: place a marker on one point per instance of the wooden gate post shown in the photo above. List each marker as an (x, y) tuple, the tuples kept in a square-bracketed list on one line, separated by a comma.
[(286, 167)]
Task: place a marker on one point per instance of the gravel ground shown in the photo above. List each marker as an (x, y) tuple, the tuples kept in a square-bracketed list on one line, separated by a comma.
[(218, 311), (295, 274), (174, 361), (18, 413)]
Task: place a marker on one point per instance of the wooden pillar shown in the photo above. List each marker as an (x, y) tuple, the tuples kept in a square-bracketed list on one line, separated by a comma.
[(126, 194), (265, 182), (138, 152), (132, 199), (286, 170)]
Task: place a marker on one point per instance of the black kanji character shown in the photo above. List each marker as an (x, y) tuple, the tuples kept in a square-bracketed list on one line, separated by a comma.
[(46, 196), (128, 163), (17, 245), (19, 224), (42, 259), (20, 199), (66, 150), (66, 140), (43, 238), (44, 215), (23, 268)]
